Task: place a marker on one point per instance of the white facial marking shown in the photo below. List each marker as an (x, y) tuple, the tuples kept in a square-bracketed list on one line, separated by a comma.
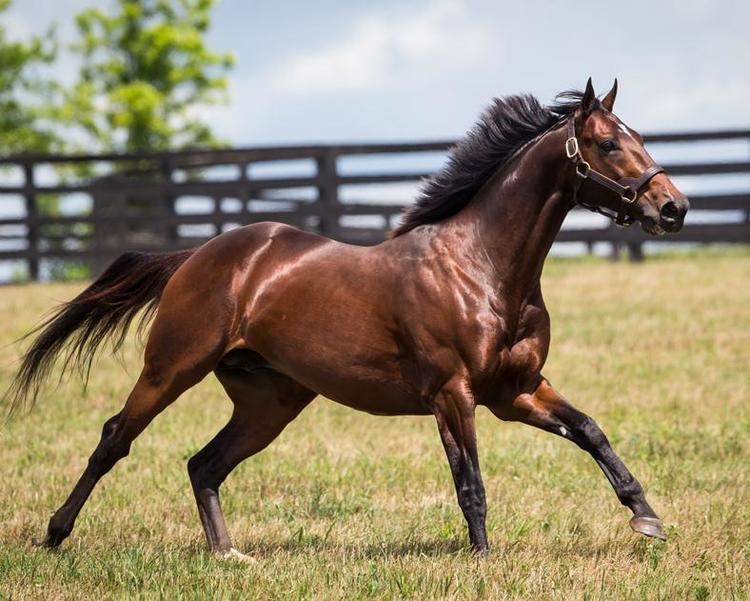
[(624, 129), (563, 431)]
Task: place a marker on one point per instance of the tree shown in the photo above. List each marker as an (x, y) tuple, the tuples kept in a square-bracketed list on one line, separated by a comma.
[(24, 92), (145, 70)]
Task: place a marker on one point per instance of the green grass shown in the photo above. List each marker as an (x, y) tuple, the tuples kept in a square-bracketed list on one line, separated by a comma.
[(347, 506)]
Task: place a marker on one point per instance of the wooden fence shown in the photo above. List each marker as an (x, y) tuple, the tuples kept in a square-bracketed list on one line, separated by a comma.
[(91, 208)]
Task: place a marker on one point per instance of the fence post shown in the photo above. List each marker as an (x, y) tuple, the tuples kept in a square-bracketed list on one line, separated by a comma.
[(245, 193), (635, 252), (168, 207), (328, 194), (615, 251), (32, 235)]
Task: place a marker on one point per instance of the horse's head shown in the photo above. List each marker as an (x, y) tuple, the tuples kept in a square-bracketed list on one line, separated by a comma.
[(633, 185)]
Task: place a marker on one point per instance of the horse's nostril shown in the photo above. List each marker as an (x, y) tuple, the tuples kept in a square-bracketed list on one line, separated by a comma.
[(670, 211)]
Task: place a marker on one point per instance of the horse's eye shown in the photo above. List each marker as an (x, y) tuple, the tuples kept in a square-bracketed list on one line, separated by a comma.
[(608, 145)]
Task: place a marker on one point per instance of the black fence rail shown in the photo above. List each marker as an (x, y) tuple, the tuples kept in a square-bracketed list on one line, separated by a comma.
[(57, 210)]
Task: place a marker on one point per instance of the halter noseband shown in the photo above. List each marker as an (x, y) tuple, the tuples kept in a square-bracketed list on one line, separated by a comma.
[(627, 188)]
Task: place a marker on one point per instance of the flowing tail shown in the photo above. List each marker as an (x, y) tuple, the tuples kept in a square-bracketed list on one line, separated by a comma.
[(134, 281)]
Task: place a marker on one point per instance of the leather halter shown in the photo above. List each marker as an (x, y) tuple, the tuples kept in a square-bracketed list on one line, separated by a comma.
[(626, 188)]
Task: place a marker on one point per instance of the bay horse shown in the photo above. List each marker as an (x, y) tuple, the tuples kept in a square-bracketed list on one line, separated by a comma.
[(445, 315)]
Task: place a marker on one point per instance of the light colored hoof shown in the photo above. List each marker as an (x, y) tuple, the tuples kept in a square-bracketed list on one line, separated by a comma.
[(648, 527), (234, 555)]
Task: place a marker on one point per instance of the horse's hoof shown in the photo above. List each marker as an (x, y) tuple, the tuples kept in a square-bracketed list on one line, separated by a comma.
[(45, 543), (648, 526), (234, 555)]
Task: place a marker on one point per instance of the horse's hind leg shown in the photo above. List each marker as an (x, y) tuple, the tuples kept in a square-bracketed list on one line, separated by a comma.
[(264, 403), (177, 358), (548, 410), (149, 397)]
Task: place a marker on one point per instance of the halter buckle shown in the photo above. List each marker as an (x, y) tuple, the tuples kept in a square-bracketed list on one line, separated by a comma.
[(571, 147), (629, 196), (582, 169)]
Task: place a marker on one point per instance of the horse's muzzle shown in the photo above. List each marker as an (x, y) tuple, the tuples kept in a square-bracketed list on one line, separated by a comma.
[(672, 214)]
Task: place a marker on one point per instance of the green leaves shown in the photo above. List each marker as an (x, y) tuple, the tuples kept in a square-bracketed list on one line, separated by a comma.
[(24, 117), (145, 73)]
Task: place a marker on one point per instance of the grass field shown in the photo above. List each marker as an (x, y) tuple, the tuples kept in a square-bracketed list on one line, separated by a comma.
[(347, 506)]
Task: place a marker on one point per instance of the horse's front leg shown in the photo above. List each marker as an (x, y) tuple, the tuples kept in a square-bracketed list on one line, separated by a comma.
[(546, 409), (454, 410)]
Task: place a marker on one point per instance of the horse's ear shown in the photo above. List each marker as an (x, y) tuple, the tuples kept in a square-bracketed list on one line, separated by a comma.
[(609, 100), (589, 97)]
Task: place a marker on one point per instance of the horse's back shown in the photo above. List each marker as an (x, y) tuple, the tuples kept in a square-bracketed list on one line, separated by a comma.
[(234, 255)]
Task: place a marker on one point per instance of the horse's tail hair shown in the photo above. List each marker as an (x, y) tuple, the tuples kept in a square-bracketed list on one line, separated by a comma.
[(104, 310)]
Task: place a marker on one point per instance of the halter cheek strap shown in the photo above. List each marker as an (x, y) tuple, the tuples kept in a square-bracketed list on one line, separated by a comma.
[(626, 188)]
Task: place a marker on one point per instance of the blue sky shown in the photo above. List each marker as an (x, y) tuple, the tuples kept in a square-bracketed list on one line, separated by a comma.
[(385, 70)]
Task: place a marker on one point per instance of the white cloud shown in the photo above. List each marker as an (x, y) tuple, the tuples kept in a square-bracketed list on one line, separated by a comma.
[(355, 63), (698, 89), (676, 106), (438, 36)]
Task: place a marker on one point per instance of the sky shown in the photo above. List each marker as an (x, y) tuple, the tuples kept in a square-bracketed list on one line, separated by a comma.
[(387, 70), (330, 71)]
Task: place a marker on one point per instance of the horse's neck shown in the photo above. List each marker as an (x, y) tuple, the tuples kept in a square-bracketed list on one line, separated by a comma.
[(515, 218)]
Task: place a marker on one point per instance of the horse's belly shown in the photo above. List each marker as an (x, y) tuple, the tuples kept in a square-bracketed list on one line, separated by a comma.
[(362, 372), (376, 391), (385, 399)]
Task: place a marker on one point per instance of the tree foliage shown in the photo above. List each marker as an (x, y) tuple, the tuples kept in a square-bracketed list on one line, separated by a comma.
[(25, 92), (145, 72)]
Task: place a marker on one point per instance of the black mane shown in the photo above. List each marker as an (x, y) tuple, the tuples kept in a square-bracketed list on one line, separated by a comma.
[(506, 125)]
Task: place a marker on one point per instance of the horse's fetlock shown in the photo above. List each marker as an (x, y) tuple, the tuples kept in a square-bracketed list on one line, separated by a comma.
[(55, 523), (471, 499), (59, 527), (630, 490)]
